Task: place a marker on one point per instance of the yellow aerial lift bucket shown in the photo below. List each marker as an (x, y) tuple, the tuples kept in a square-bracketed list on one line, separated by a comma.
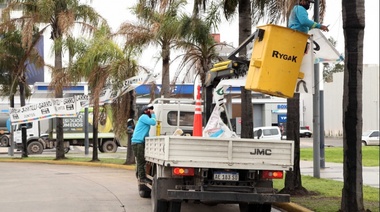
[(276, 60)]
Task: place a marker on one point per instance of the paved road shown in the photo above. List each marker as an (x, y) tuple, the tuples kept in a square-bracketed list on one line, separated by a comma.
[(44, 187), (61, 188)]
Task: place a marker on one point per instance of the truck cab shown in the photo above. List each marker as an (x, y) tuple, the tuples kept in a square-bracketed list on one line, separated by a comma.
[(34, 146), (173, 114)]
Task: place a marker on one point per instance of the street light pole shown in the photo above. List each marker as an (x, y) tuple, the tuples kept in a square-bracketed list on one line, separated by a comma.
[(85, 122), (316, 117)]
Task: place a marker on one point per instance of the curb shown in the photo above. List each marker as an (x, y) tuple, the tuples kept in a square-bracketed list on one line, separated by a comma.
[(290, 206), (63, 162)]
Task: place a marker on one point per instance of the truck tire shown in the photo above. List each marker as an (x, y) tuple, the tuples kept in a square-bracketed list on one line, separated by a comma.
[(157, 205), (4, 141), (144, 191), (100, 148), (109, 146), (245, 207), (175, 206), (67, 150), (34, 148)]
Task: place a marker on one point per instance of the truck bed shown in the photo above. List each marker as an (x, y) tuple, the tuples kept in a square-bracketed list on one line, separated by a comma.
[(226, 153)]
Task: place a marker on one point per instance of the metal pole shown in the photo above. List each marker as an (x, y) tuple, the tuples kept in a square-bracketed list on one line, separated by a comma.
[(322, 131), (316, 126), (322, 120), (11, 148), (85, 122)]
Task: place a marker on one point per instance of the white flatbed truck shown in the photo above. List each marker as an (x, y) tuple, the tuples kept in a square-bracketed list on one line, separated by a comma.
[(213, 170)]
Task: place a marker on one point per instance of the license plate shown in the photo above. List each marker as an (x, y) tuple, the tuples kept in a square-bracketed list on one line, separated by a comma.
[(226, 176)]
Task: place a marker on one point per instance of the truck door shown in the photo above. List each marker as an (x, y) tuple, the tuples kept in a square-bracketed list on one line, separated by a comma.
[(31, 130)]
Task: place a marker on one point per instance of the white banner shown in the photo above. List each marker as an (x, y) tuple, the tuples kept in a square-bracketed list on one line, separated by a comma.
[(28, 113), (65, 107), (320, 51), (221, 88), (70, 107), (81, 101), (108, 95)]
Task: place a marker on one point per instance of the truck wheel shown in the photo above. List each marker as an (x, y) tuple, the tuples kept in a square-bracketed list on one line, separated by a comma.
[(144, 191), (34, 148), (157, 205), (174, 206), (66, 149), (100, 147), (245, 207), (109, 146), (4, 141)]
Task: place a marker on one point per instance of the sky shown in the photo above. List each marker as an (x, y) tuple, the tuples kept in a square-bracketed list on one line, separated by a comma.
[(116, 12)]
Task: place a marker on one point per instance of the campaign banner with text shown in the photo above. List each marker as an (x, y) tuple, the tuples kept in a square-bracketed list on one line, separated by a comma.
[(56, 107), (70, 107), (28, 113)]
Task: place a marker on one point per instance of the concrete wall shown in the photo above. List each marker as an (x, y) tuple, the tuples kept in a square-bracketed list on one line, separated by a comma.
[(333, 102)]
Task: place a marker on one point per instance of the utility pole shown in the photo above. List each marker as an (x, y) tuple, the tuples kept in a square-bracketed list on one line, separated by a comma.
[(85, 122), (322, 122), (316, 109)]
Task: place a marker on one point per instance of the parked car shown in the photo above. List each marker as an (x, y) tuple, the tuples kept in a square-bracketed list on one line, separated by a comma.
[(370, 138), (305, 132), (267, 133)]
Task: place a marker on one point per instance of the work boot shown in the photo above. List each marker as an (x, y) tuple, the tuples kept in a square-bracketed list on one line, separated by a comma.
[(145, 180)]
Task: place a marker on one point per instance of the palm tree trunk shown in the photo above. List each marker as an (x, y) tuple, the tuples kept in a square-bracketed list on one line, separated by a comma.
[(60, 152), (245, 30), (95, 121), (165, 86), (293, 182), (94, 138), (23, 128), (131, 105), (353, 28)]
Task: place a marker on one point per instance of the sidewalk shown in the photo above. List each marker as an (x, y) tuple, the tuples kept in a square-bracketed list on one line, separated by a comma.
[(334, 171)]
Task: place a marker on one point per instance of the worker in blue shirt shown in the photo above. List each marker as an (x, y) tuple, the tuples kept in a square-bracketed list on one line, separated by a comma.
[(141, 131), (299, 19)]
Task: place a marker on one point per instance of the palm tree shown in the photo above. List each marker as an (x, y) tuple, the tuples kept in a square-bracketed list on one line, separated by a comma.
[(101, 61), (353, 28), (200, 49), (60, 16), (14, 60), (159, 26)]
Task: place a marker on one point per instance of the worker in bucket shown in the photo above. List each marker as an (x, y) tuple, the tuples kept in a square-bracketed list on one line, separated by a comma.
[(141, 131), (299, 19)]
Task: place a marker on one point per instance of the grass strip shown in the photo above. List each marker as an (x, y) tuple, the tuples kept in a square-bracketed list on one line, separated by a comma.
[(325, 195), (335, 155)]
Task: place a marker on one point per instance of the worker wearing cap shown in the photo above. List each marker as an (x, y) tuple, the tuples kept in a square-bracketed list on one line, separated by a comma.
[(141, 131), (299, 19)]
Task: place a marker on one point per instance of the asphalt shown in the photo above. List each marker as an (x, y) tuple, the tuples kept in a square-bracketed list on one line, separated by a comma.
[(332, 171)]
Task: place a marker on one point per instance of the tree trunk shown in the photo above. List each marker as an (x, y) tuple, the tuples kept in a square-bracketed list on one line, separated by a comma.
[(165, 86), (246, 114), (293, 182), (353, 28), (130, 159), (60, 151), (207, 96), (245, 30), (23, 126), (95, 121)]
